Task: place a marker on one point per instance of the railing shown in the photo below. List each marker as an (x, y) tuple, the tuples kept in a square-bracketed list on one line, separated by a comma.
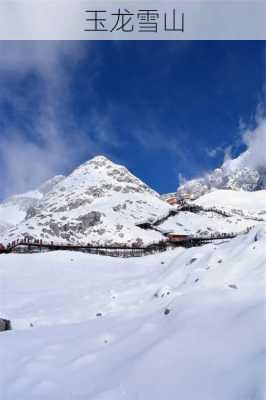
[(27, 246), (32, 246)]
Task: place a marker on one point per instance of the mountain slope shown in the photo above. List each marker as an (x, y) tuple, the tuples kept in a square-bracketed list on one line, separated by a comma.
[(220, 211), (252, 203)]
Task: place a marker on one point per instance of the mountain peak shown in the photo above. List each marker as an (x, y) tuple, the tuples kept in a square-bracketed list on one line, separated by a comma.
[(96, 163), (100, 158)]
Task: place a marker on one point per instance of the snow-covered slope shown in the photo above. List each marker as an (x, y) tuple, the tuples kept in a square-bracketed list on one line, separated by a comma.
[(185, 324), (99, 202), (4, 227), (14, 209), (253, 203), (205, 223), (241, 210)]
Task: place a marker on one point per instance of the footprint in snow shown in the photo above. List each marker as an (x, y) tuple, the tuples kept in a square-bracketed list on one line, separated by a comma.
[(162, 292), (233, 286), (192, 260)]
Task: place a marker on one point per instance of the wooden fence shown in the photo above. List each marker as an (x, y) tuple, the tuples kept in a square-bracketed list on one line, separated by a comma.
[(35, 246)]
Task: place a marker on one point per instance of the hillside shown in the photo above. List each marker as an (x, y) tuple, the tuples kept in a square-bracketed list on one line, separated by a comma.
[(253, 203), (241, 210)]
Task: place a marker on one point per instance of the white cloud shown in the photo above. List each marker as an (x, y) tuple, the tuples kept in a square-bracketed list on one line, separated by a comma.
[(255, 140), (255, 154), (50, 142)]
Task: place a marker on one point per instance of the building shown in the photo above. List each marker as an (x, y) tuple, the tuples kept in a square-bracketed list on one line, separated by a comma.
[(170, 198), (173, 237)]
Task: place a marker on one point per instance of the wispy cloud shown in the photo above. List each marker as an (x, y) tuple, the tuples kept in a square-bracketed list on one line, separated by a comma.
[(40, 138), (214, 152)]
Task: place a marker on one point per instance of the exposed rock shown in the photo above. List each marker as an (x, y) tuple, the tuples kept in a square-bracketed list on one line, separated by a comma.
[(5, 325), (90, 219)]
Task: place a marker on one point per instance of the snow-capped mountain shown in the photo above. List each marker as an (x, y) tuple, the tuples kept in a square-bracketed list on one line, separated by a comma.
[(236, 174), (99, 202)]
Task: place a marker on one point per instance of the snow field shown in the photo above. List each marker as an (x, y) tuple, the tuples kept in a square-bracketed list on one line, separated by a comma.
[(100, 332)]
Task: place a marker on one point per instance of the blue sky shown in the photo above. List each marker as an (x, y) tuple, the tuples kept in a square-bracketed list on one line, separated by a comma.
[(163, 109)]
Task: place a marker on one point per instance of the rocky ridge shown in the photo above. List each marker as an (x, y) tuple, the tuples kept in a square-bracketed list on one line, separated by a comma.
[(234, 174)]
